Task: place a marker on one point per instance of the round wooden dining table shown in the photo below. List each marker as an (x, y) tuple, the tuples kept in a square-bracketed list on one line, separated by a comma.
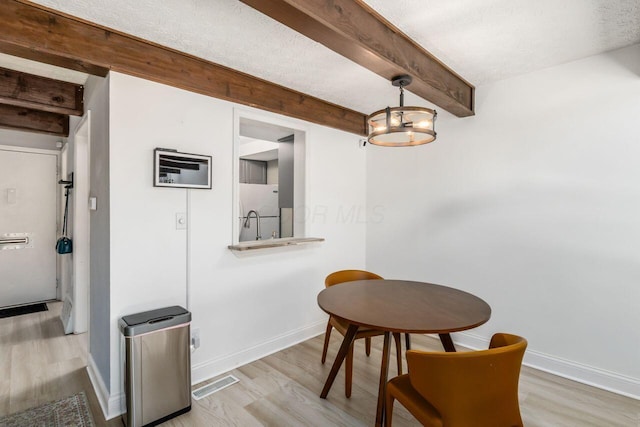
[(398, 306)]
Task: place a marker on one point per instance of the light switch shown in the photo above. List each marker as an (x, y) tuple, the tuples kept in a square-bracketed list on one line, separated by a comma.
[(93, 203), (181, 221), (11, 196)]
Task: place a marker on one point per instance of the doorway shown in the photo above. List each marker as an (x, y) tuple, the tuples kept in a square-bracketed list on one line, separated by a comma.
[(74, 267)]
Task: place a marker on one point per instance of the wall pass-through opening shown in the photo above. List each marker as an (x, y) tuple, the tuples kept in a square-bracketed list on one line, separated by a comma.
[(269, 179)]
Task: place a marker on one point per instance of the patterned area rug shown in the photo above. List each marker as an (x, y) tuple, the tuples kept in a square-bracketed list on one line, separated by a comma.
[(72, 411)]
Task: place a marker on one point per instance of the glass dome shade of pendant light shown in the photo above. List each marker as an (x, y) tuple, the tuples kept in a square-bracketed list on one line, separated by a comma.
[(402, 126)]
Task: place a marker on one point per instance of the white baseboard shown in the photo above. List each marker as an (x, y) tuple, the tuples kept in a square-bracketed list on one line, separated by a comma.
[(606, 380), (214, 367), (110, 405)]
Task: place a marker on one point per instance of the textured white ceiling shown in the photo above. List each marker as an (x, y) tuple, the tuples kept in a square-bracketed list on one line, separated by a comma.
[(483, 41), (490, 40)]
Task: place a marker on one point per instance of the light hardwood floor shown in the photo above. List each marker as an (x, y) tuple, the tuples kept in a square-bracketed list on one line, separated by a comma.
[(38, 363)]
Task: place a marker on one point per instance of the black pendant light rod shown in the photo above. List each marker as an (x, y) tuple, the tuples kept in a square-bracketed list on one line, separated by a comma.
[(401, 81)]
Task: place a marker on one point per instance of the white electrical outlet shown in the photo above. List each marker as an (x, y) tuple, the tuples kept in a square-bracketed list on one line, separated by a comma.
[(195, 339)]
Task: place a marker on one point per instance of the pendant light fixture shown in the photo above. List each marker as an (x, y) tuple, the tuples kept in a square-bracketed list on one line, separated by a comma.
[(402, 126)]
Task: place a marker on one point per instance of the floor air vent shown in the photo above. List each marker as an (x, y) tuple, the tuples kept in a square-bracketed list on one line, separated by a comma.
[(217, 385)]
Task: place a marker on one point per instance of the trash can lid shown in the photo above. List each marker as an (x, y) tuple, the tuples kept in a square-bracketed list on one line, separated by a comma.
[(154, 320)]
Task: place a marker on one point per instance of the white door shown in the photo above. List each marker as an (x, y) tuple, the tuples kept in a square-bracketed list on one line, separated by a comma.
[(27, 208)]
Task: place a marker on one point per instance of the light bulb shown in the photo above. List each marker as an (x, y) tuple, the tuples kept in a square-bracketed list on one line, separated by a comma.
[(425, 124)]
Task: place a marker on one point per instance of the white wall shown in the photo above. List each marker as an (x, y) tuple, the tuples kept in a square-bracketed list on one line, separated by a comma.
[(29, 139), (244, 306), (533, 205), (97, 100)]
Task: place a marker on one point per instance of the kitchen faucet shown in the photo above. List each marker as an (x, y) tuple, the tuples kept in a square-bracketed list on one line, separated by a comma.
[(247, 224)]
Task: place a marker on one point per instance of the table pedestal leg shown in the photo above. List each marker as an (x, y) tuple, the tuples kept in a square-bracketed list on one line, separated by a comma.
[(384, 373), (342, 353), (447, 343)]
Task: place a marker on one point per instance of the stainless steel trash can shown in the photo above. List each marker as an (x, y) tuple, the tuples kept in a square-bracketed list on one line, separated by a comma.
[(157, 365)]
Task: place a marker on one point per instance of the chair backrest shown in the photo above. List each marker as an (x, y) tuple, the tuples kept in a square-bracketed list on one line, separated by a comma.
[(349, 276), (474, 388)]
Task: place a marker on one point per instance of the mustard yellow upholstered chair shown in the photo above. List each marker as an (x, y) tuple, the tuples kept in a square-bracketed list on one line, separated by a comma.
[(466, 389), (341, 326)]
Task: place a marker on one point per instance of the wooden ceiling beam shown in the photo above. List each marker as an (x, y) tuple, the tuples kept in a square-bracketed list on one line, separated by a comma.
[(40, 93), (27, 120), (49, 36), (354, 30)]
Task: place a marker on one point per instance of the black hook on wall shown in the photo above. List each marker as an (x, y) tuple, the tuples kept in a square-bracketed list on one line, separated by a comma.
[(67, 184)]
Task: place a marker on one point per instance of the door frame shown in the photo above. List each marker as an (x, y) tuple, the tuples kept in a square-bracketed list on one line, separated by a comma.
[(61, 277), (81, 264)]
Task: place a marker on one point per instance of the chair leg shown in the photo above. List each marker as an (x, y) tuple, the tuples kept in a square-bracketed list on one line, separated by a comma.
[(397, 339), (407, 341), (327, 335), (388, 410), (348, 372), (367, 346)]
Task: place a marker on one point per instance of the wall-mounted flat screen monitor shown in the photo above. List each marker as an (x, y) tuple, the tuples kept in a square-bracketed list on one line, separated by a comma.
[(181, 170)]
